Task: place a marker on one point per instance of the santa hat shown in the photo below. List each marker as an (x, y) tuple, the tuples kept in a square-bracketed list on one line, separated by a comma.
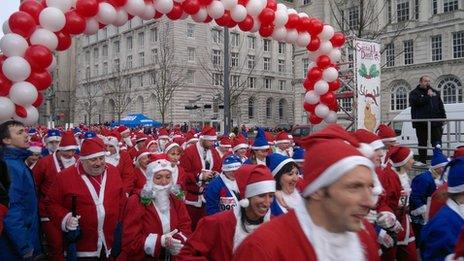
[(92, 148), (158, 163), (275, 162), (282, 137), (149, 142), (231, 163), (140, 153), (89, 135), (32, 131), (386, 133), (190, 136), (224, 142), (123, 130), (399, 155), (140, 137), (208, 133), (269, 138), (179, 140), (459, 152), (35, 147), (370, 138), (53, 135), (253, 180), (68, 142), (112, 139), (260, 142), (163, 134), (456, 175), (342, 153), (170, 146), (298, 154), (438, 159), (239, 142)]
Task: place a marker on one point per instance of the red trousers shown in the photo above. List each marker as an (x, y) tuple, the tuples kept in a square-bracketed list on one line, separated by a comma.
[(400, 253), (54, 239), (195, 214)]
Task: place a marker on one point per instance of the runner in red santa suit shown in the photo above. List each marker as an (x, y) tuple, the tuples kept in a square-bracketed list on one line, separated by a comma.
[(174, 152), (124, 132), (328, 223), (163, 139), (121, 160), (152, 145), (140, 139), (156, 223), (224, 147), (240, 147), (45, 172), (218, 236), (201, 162), (100, 198), (140, 170), (283, 144), (190, 138)]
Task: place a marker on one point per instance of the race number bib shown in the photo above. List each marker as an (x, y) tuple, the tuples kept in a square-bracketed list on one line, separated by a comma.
[(227, 203), (404, 199)]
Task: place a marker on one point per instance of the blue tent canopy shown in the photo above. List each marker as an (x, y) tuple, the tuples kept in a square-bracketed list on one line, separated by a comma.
[(136, 120)]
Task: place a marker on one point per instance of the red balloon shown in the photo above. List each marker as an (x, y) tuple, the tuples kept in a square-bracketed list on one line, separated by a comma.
[(308, 84), (40, 79), (33, 8), (176, 12), (335, 85), (243, 2), (232, 23), (117, 3), (39, 100), (271, 4), (267, 16), (205, 2), (315, 74), (323, 61), (266, 31), (22, 23), (5, 85), (313, 44), (191, 6), (328, 98), (20, 111), (247, 24), (38, 56), (316, 27), (314, 119), (87, 8), (75, 24), (338, 39), (293, 20), (158, 15), (304, 24), (309, 107), (224, 20), (64, 41), (208, 19)]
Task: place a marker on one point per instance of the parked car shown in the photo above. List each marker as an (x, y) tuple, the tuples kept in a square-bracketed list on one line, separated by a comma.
[(300, 131)]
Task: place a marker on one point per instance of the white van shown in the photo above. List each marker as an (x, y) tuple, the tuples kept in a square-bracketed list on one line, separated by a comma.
[(453, 131)]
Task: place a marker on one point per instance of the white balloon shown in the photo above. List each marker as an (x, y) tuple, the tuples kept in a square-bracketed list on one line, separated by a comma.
[(321, 110), (256, 26), (121, 17), (292, 36), (164, 6), (279, 34), (281, 18), (254, 7), (91, 26), (200, 16), (73, 3), (31, 118), (291, 11), (16, 69), (13, 45), (331, 117), (6, 27), (335, 55), (321, 87), (330, 74), (239, 13), (63, 5), (23, 93), (45, 38), (281, 7), (106, 14), (229, 4), (327, 33), (148, 13), (134, 7), (7, 109), (311, 97), (303, 39), (52, 18), (326, 47), (53, 65), (215, 9), (303, 15)]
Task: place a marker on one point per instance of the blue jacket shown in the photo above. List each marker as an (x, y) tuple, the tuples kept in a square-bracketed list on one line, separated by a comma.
[(422, 187), (439, 235), (218, 197), (21, 224), (276, 209)]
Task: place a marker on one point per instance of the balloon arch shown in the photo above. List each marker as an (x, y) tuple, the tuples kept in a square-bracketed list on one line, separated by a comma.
[(39, 28)]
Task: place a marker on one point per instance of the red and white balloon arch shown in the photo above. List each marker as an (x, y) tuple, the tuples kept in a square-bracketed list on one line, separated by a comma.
[(40, 28)]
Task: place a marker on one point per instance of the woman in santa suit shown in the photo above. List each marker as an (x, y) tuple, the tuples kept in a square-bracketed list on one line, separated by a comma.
[(155, 223), (174, 151), (141, 161), (240, 147), (120, 159), (217, 236)]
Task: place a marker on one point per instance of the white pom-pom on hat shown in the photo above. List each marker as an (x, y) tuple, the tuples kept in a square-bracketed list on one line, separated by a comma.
[(366, 150), (244, 203)]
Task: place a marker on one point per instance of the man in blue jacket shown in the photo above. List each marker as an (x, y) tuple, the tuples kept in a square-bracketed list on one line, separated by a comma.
[(20, 238)]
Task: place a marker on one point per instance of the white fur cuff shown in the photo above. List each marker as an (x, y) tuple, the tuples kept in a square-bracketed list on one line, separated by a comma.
[(150, 244)]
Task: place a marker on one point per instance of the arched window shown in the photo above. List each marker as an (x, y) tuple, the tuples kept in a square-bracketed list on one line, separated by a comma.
[(269, 108), (282, 109), (251, 107), (451, 89), (399, 98), (139, 105)]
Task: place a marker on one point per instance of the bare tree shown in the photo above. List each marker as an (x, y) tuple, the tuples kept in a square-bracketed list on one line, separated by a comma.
[(118, 87), (90, 94)]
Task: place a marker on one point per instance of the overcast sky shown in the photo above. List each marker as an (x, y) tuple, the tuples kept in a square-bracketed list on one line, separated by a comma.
[(8, 7)]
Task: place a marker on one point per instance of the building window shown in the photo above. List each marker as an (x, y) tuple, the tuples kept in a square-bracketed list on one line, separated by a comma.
[(268, 83), (141, 59), (436, 48), (217, 79), (116, 47), (251, 42), (234, 59), (389, 11), (116, 65), (95, 70), (153, 77), (458, 44), (305, 62), (408, 52), (141, 39), (251, 82), (87, 57), (129, 43), (217, 36), (281, 66), (235, 80), (353, 17), (105, 68), (402, 10), (450, 5), (154, 34), (281, 85), (282, 47), (390, 54), (346, 104), (129, 62), (399, 98), (266, 45), (266, 63), (306, 2), (105, 51), (154, 55), (95, 54), (141, 79), (87, 72), (234, 39), (191, 76), (251, 108), (269, 108), (435, 7), (451, 89), (251, 62), (191, 54), (416, 9), (282, 109), (216, 57), (190, 30)]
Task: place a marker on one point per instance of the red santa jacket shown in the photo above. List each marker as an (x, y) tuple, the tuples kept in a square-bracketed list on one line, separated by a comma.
[(140, 221), (132, 152), (283, 239), (382, 203), (99, 213), (192, 164), (438, 200), (126, 170), (3, 211)]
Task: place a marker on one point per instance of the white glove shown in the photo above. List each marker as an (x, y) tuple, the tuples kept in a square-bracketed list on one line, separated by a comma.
[(386, 219), (72, 223), (371, 216), (385, 239), (171, 244), (396, 227), (451, 257)]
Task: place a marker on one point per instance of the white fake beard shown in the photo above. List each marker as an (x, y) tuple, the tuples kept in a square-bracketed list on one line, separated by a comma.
[(68, 162), (52, 148), (113, 159), (161, 197), (162, 144)]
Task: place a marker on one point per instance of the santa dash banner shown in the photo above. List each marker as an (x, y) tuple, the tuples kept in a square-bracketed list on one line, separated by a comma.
[(367, 79)]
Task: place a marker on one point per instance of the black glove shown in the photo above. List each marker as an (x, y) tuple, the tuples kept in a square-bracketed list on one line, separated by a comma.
[(4, 184)]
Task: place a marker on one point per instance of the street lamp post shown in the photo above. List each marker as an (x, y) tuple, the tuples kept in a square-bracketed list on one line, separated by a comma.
[(226, 82)]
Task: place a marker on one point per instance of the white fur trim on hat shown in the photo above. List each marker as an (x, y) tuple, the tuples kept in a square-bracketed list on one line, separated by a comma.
[(70, 147), (281, 165), (208, 137), (231, 167), (336, 171), (141, 155), (240, 146), (52, 138), (163, 137), (260, 187), (402, 163), (392, 139), (95, 155), (225, 146), (443, 164), (378, 144), (172, 145), (456, 189), (281, 141), (159, 165), (35, 149), (366, 149), (265, 147)]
